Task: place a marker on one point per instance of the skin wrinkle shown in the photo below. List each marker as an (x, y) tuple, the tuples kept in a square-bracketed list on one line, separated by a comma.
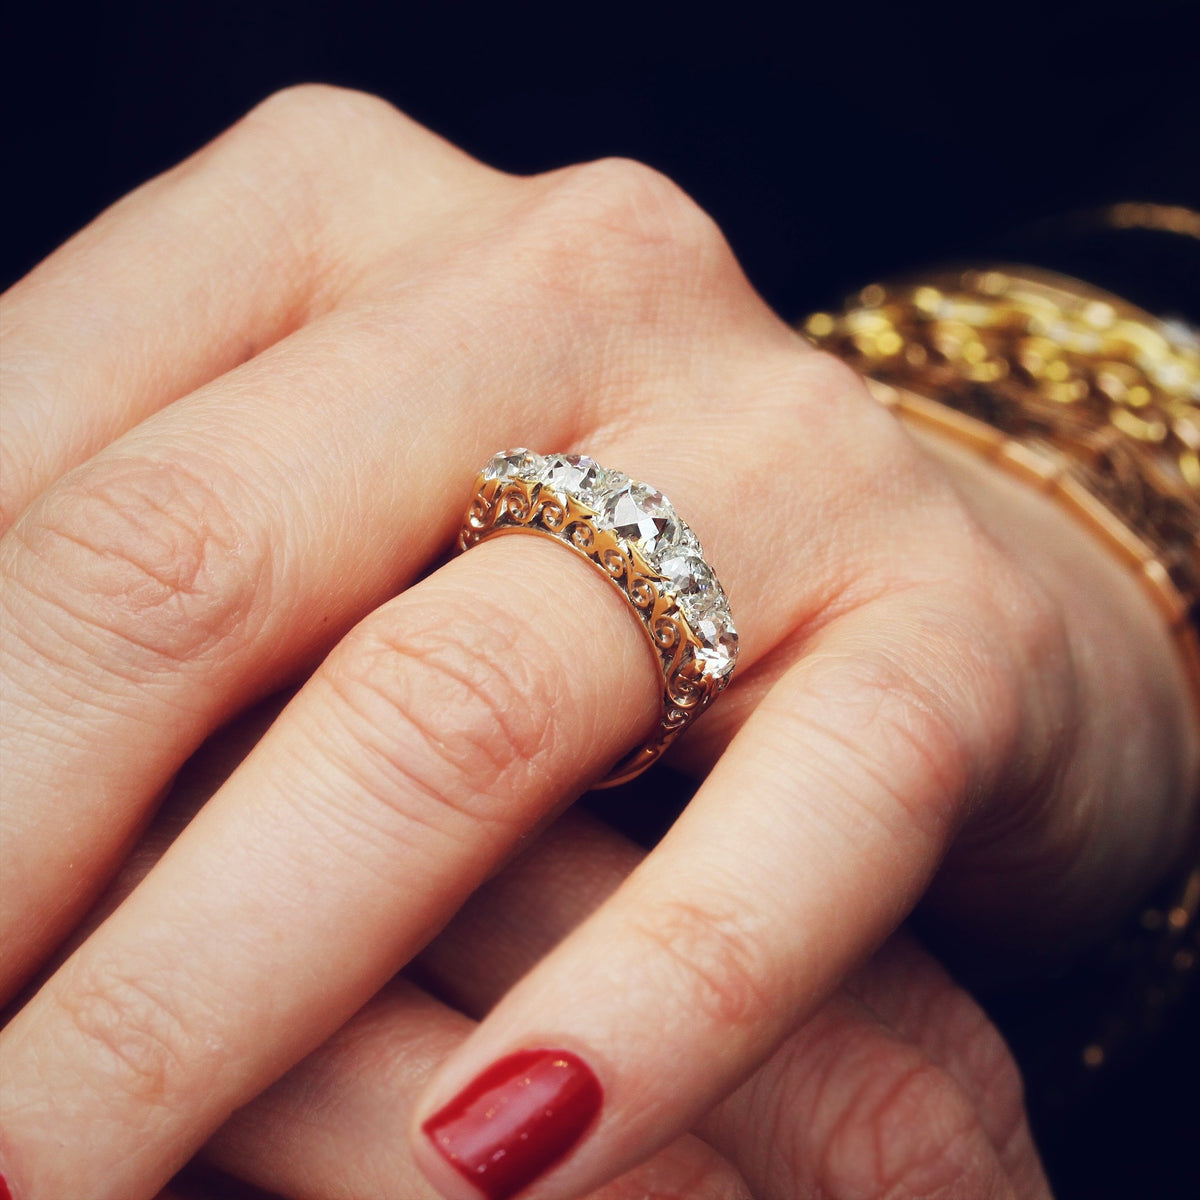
[(497, 740), (724, 980), (144, 1054), (863, 1152), (915, 811), (417, 823), (853, 821), (200, 567), (961, 1036), (493, 672), (812, 1061), (926, 1006)]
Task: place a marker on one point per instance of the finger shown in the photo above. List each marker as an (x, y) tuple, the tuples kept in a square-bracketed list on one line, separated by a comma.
[(816, 1097), (333, 1127), (911, 993), (898, 1085), (151, 559), (846, 1108), (346, 1102), (815, 833), (274, 223), (176, 577), (412, 764)]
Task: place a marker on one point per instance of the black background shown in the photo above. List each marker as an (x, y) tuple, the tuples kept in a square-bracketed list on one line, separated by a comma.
[(835, 143), (839, 142)]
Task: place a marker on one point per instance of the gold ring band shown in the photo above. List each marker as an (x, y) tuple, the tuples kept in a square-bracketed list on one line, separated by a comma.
[(633, 535)]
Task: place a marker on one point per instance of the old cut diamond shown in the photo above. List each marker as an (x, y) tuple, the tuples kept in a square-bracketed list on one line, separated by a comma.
[(514, 464), (718, 639), (575, 475), (691, 578), (614, 481), (687, 542), (643, 516)]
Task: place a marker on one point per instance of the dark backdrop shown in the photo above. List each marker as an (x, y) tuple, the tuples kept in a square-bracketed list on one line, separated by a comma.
[(834, 143)]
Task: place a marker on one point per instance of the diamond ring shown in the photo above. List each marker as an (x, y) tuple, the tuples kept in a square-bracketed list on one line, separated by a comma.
[(633, 535)]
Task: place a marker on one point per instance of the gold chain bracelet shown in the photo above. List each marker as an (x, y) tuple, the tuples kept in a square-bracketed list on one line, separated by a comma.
[(1097, 404)]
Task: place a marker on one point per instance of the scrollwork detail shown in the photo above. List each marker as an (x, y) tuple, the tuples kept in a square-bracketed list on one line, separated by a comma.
[(551, 514), (514, 502), (581, 535), (642, 592), (665, 632), (614, 562)]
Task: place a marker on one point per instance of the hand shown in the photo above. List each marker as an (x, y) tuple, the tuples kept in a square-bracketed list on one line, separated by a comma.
[(247, 405), (898, 1085)]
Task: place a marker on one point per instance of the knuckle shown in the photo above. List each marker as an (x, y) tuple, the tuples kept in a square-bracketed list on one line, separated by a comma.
[(719, 972), (834, 379), (324, 114), (444, 702), (144, 552), (127, 1038), (904, 1129), (317, 170), (335, 143), (606, 218)]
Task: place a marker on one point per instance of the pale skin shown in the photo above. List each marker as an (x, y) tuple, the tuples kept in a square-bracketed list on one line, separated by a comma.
[(242, 414)]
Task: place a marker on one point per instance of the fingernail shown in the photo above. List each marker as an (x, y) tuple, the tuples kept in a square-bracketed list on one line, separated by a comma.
[(5, 1194), (516, 1120)]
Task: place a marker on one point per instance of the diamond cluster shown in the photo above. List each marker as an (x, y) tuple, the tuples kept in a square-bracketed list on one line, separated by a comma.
[(644, 520)]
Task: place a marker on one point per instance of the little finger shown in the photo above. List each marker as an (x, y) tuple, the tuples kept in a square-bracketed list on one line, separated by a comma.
[(856, 766)]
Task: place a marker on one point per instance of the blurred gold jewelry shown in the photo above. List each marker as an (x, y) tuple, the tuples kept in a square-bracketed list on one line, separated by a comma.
[(633, 535), (1086, 397)]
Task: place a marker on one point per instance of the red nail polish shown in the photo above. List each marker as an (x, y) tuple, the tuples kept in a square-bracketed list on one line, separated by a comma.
[(516, 1120), (5, 1194)]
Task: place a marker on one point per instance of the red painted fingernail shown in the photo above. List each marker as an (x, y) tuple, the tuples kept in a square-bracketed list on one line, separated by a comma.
[(516, 1120), (5, 1194)]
